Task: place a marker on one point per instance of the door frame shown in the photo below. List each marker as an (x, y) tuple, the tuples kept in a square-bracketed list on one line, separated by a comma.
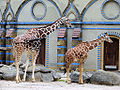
[(42, 53), (102, 53)]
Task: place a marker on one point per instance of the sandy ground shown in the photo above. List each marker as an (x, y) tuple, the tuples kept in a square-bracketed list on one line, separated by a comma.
[(58, 85)]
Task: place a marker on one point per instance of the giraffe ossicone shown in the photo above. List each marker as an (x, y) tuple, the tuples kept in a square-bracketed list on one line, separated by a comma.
[(80, 53), (31, 42)]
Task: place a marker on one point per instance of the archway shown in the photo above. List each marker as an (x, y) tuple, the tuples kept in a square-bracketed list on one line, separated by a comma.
[(111, 55), (41, 56)]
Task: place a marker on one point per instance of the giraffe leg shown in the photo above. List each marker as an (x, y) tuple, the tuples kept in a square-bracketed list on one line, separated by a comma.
[(17, 72), (81, 71), (68, 76), (17, 59), (33, 68), (27, 63)]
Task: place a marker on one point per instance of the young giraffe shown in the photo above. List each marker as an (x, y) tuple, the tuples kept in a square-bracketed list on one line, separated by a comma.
[(80, 53), (30, 42)]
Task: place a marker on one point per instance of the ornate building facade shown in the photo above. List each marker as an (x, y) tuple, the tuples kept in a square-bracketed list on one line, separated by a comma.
[(90, 19)]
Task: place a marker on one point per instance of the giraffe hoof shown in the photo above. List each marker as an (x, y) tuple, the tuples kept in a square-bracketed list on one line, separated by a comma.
[(18, 82), (23, 80), (68, 81), (33, 80), (81, 82)]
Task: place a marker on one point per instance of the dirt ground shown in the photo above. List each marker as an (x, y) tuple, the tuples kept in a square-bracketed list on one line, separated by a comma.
[(58, 85)]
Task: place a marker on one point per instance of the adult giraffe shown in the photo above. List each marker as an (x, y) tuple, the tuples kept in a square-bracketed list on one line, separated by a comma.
[(80, 53), (30, 42)]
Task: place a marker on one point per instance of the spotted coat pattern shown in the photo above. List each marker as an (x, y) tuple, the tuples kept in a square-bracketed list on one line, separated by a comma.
[(31, 42), (80, 52)]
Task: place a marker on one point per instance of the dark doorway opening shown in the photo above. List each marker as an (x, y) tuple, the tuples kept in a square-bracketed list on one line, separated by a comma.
[(41, 56), (111, 55)]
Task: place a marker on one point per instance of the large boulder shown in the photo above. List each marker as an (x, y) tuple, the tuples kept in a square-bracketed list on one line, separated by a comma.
[(43, 74), (1, 76), (9, 72), (37, 77), (46, 77), (1, 65), (86, 76), (41, 77), (105, 77), (38, 68)]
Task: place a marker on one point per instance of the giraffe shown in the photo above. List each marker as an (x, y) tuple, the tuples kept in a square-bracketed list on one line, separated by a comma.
[(30, 42), (80, 53)]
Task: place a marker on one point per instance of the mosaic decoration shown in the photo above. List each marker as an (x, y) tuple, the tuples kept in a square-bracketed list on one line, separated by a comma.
[(47, 52), (70, 10), (1, 32), (76, 33), (61, 32), (61, 49), (99, 48), (76, 41), (6, 57), (34, 5), (107, 2)]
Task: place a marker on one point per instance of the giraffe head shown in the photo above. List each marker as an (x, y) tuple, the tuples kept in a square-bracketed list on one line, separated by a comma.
[(66, 21), (107, 38)]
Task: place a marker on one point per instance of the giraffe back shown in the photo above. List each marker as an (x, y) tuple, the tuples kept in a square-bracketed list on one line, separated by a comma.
[(78, 52)]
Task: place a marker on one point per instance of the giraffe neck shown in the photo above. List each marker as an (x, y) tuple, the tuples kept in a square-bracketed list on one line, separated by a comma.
[(54, 26), (50, 28), (93, 44)]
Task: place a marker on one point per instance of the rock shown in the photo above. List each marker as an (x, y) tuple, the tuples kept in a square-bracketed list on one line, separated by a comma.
[(39, 68), (43, 74), (37, 77), (9, 72), (105, 77), (118, 73), (56, 76), (20, 64), (47, 77), (75, 76), (1, 76), (1, 65)]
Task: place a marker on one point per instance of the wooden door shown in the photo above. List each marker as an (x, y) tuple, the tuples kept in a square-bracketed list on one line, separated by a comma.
[(111, 55), (41, 56)]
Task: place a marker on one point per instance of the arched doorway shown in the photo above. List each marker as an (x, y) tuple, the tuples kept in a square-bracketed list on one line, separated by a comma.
[(111, 55), (41, 56)]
